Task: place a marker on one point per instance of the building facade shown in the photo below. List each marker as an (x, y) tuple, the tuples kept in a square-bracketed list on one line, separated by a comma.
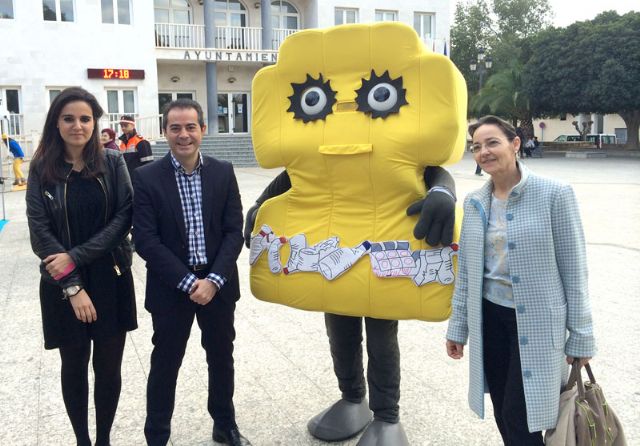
[(137, 55), (548, 130)]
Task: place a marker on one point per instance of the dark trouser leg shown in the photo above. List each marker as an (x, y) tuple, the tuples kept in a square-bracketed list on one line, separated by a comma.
[(107, 361), (170, 335), (496, 360), (504, 375), (345, 342), (478, 169), (514, 410), (75, 387), (383, 370), (216, 323)]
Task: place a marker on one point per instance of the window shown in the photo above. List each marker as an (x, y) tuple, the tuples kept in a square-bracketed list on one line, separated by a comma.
[(346, 15), (6, 9), (116, 11), (284, 15), (424, 24), (170, 15), (120, 102), (172, 11), (57, 10), (386, 16), (229, 16), (53, 93), (230, 13), (10, 104), (621, 135)]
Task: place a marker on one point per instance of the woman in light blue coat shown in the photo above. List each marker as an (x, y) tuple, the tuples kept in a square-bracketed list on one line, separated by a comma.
[(521, 293)]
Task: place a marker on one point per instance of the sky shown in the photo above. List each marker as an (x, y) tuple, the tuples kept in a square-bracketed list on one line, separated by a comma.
[(569, 11)]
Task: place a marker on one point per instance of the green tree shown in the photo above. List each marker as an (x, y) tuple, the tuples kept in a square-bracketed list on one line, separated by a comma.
[(589, 67), (521, 18), (502, 28), (504, 95), (471, 30)]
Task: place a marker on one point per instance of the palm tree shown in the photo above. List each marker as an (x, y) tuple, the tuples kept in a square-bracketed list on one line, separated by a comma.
[(504, 95)]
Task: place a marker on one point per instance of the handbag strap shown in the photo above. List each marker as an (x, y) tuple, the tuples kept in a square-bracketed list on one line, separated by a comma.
[(573, 377), (587, 366), (576, 366)]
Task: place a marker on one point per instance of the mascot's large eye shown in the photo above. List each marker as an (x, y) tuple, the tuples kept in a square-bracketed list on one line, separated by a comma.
[(380, 95), (313, 99)]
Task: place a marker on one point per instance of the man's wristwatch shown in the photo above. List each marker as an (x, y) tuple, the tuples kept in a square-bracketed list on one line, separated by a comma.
[(71, 291)]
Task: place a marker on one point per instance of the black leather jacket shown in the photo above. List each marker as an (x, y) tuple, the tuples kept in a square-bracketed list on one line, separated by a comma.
[(49, 226)]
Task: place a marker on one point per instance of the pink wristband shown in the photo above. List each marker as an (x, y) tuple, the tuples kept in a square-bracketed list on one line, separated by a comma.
[(70, 267)]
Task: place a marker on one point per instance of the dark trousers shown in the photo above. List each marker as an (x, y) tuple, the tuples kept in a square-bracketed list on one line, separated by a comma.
[(504, 375), (478, 169), (383, 370), (170, 335), (107, 361)]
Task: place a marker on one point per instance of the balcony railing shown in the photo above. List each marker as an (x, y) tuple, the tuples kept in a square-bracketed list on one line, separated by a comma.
[(239, 38), (13, 124), (148, 126), (279, 34), (28, 142), (171, 35)]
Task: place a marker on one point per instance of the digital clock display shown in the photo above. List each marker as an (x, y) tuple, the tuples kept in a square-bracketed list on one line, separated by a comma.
[(114, 73)]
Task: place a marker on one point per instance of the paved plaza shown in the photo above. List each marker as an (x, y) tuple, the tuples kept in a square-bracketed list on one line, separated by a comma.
[(283, 367)]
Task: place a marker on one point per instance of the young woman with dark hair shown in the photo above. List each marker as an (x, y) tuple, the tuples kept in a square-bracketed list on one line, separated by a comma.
[(79, 208)]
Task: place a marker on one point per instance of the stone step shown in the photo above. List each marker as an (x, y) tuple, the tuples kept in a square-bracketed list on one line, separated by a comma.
[(236, 150), (228, 152), (585, 155), (227, 149)]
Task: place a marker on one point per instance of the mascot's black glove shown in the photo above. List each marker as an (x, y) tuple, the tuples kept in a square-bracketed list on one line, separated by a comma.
[(437, 217), (249, 222)]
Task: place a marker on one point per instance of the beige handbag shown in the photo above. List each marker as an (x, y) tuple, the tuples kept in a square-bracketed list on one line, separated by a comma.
[(585, 418)]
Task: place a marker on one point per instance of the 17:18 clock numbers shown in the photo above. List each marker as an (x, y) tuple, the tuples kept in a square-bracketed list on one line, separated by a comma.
[(110, 73)]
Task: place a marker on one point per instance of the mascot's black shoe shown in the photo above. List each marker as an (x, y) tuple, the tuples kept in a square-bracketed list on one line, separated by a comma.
[(380, 433), (232, 437), (342, 420)]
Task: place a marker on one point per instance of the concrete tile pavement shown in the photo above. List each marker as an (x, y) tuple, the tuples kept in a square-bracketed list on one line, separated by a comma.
[(284, 371)]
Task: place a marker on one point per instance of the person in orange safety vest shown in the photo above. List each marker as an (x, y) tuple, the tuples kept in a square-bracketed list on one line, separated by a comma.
[(135, 149)]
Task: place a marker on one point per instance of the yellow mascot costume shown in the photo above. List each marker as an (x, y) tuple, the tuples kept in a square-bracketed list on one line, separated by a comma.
[(355, 114)]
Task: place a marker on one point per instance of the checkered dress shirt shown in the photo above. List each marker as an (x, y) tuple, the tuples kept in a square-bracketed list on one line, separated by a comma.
[(190, 189)]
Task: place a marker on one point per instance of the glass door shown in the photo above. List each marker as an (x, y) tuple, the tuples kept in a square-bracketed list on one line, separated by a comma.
[(223, 113), (240, 112), (233, 113)]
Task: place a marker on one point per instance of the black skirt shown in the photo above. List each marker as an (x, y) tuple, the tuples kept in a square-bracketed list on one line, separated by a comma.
[(113, 297)]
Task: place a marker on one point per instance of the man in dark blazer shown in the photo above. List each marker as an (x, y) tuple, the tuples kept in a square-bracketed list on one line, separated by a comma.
[(187, 226)]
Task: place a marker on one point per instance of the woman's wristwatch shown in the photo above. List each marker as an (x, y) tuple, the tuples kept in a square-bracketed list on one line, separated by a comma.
[(71, 291)]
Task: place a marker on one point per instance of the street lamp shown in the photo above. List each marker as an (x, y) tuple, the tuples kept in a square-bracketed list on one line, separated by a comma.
[(482, 65)]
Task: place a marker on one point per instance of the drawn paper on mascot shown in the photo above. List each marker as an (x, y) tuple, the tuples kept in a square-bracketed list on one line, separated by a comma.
[(355, 113)]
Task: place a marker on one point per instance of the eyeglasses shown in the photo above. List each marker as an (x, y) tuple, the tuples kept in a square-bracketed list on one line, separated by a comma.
[(491, 144)]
